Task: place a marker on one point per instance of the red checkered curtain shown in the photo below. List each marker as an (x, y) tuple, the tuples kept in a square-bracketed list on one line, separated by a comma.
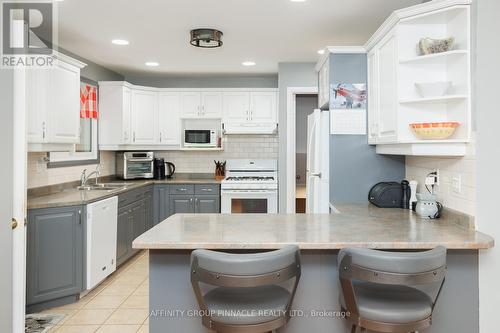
[(88, 101)]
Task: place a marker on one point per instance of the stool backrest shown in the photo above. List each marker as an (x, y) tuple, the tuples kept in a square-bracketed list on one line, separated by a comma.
[(394, 268)]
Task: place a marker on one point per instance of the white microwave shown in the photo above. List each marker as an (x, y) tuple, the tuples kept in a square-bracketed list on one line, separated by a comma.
[(200, 138)]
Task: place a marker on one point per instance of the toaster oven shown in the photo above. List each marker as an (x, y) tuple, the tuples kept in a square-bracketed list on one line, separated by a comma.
[(134, 165)]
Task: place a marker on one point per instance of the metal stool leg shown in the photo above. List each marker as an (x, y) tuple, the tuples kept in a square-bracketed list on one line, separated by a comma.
[(353, 328)]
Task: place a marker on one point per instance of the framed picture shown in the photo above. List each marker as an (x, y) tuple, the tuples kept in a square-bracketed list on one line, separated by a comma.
[(348, 109), (349, 96)]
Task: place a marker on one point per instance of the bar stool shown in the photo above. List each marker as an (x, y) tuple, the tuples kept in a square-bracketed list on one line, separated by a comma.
[(246, 297), (378, 288)]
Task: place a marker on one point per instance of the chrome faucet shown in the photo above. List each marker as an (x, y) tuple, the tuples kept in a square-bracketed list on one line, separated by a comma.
[(84, 178)]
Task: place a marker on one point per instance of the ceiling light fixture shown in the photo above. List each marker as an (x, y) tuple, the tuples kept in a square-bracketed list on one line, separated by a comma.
[(120, 42), (298, 0), (206, 38), (322, 51), (152, 64), (248, 63)]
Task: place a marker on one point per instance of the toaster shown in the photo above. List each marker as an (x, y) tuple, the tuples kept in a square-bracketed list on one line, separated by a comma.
[(386, 195)]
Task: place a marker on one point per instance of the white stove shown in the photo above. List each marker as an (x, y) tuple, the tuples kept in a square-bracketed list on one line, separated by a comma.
[(250, 186)]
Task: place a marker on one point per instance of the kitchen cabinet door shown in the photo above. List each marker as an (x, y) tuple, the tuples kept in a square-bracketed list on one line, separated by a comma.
[(139, 220), (148, 206), (122, 246), (64, 103), (373, 90), (190, 104), (144, 117), (236, 107), (387, 94), (161, 203), (206, 204), (169, 118), (181, 204), (126, 116), (37, 81), (54, 254), (211, 104), (263, 107)]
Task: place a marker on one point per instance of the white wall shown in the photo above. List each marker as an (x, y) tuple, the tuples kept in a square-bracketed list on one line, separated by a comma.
[(40, 175), (418, 167), (488, 159), (235, 146)]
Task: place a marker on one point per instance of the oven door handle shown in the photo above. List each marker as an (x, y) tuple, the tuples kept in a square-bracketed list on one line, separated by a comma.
[(247, 191), (139, 160)]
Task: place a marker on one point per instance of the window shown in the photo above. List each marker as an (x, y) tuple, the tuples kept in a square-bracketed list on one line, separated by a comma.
[(86, 151)]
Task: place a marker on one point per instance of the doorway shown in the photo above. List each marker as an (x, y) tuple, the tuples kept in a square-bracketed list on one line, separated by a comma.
[(304, 106)]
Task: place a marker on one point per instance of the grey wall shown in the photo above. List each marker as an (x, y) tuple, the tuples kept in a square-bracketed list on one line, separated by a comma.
[(6, 212), (354, 165), (290, 74), (206, 81), (94, 71)]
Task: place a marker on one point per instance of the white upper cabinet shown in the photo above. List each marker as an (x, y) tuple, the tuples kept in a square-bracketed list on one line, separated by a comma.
[(145, 117), (53, 106), (195, 104), (115, 108), (324, 85), (253, 112), (396, 68), (169, 118), (263, 106), (236, 106)]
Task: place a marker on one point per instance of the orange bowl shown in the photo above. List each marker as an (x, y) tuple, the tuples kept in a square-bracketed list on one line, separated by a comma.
[(434, 131)]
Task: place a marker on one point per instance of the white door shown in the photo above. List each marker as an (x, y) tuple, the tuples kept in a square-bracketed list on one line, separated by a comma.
[(126, 116), (236, 107), (387, 95), (191, 104), (317, 163), (263, 107), (37, 82), (373, 87), (145, 117), (168, 115), (64, 104), (211, 104)]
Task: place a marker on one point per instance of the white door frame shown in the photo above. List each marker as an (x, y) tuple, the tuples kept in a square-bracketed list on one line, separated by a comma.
[(291, 141)]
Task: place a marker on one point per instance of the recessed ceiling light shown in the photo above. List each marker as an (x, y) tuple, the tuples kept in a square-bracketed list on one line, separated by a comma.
[(152, 64), (322, 51), (298, 0), (248, 63), (120, 42)]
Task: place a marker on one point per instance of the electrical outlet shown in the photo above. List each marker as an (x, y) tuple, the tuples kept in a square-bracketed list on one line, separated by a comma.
[(456, 184)]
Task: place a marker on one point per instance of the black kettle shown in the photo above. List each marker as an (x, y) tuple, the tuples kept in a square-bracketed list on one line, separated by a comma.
[(169, 169), (159, 168)]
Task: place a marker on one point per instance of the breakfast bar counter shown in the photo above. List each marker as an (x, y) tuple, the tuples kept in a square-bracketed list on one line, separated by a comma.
[(173, 305)]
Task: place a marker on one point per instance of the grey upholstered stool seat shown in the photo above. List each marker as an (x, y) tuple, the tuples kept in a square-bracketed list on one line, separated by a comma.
[(224, 303), (391, 304), (379, 288), (249, 296)]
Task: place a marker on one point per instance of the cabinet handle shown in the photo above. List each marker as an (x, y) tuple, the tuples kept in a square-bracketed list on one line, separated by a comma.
[(196, 201), (80, 216), (43, 130), (182, 189), (160, 136), (134, 136), (206, 189)]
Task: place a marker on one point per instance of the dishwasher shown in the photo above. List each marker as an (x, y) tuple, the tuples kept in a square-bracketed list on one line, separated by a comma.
[(101, 226)]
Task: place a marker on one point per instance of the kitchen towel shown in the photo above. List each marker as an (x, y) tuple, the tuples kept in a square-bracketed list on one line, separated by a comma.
[(88, 101)]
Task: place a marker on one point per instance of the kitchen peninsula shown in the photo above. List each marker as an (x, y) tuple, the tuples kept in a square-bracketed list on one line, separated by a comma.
[(319, 237)]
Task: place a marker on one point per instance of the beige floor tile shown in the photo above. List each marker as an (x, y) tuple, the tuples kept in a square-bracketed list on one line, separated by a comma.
[(66, 312), (130, 279), (127, 317), (143, 329), (105, 302), (142, 290), (118, 289), (136, 302), (78, 329), (89, 317), (118, 329)]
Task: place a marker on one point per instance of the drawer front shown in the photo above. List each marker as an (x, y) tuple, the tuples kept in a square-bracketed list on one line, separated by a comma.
[(207, 189), (182, 189), (130, 197)]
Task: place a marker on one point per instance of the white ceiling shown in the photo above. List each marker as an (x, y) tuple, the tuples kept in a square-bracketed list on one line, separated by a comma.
[(264, 31)]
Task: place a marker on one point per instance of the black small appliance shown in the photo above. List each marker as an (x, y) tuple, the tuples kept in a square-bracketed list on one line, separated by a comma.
[(159, 168), (169, 169), (386, 195)]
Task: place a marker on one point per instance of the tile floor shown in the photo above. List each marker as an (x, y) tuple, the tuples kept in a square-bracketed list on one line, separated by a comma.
[(118, 304)]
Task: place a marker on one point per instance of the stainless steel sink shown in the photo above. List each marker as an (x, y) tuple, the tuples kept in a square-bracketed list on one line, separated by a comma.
[(102, 187)]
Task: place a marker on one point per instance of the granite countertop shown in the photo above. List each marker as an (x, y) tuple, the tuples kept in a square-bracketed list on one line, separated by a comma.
[(71, 196), (354, 226)]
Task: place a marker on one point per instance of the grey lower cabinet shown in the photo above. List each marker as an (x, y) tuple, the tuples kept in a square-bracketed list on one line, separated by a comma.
[(172, 199), (55, 254), (135, 216)]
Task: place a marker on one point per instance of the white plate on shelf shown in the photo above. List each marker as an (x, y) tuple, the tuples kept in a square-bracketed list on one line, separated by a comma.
[(433, 89)]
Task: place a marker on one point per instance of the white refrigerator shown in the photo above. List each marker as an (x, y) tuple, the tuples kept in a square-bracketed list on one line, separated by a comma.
[(318, 163)]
